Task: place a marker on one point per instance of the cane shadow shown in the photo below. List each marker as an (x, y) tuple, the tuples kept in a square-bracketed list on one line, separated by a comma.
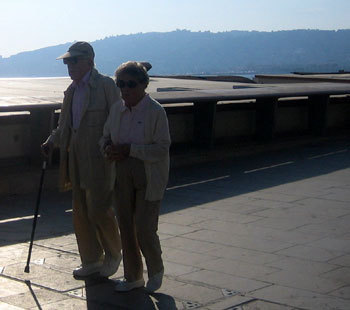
[(100, 294), (33, 294)]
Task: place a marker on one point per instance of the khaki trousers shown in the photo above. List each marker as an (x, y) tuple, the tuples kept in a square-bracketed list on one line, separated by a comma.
[(96, 231), (95, 224), (138, 221)]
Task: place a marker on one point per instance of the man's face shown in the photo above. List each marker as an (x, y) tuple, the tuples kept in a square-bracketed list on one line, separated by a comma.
[(78, 66)]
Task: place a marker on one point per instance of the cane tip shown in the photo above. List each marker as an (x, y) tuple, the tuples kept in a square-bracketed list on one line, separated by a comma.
[(26, 269)]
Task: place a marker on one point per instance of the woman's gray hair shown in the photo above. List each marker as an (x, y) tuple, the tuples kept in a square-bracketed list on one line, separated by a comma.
[(135, 69)]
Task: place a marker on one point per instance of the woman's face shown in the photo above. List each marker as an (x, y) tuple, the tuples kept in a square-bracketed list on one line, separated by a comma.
[(132, 90)]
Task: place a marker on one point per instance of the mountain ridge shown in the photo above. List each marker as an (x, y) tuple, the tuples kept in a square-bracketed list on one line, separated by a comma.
[(182, 52)]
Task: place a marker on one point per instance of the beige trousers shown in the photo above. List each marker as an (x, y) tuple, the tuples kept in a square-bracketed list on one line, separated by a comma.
[(138, 221), (96, 231), (95, 224)]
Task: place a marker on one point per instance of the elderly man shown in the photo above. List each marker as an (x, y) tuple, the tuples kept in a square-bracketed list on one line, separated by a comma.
[(84, 111)]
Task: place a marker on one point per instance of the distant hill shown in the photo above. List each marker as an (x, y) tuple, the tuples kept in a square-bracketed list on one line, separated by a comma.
[(185, 52)]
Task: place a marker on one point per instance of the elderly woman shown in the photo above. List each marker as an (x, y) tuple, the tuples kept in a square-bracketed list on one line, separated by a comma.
[(136, 137)]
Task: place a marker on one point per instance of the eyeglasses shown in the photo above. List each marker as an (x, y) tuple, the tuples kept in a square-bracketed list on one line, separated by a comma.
[(71, 60), (129, 84)]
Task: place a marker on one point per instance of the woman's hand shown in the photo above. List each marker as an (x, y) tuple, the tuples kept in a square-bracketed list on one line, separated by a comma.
[(117, 152)]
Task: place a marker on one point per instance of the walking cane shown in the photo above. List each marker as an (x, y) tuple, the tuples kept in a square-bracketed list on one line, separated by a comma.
[(26, 269)]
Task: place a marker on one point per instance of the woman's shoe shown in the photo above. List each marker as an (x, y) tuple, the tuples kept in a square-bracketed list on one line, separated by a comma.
[(125, 286), (86, 270), (155, 282)]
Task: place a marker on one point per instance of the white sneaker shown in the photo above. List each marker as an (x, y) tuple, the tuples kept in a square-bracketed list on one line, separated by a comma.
[(155, 282), (87, 269), (125, 286), (110, 266)]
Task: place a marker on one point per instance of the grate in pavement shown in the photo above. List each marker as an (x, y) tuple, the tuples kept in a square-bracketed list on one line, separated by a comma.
[(77, 293), (39, 261), (229, 293), (191, 305)]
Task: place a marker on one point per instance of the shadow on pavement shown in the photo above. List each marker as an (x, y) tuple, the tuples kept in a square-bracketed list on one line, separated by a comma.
[(188, 186), (33, 294), (101, 295), (228, 178)]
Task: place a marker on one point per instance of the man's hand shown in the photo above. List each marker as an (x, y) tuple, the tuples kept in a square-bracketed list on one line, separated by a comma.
[(117, 152), (46, 148)]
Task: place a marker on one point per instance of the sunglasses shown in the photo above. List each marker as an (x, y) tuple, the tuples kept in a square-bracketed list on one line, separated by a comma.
[(129, 84), (71, 60)]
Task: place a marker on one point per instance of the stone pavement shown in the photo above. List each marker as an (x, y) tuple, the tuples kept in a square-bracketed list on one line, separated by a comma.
[(39, 90), (263, 231)]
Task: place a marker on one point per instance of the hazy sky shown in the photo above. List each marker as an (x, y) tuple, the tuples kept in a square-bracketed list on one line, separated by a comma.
[(32, 24)]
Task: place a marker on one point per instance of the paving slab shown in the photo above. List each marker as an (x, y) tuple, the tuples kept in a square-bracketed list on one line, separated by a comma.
[(311, 253), (302, 266), (33, 297), (246, 255), (303, 281), (301, 299), (242, 233), (224, 281), (263, 305), (229, 303), (343, 260), (343, 292)]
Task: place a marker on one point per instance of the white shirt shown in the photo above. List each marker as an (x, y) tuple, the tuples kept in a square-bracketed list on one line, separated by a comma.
[(132, 123), (154, 152), (78, 99)]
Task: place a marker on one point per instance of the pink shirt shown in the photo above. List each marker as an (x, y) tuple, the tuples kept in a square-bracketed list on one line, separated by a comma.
[(78, 99), (132, 123)]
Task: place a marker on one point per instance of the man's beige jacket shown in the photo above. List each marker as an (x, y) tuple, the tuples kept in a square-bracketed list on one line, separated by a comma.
[(93, 169)]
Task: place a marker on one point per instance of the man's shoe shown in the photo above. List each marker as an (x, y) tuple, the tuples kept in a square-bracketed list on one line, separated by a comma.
[(110, 266), (155, 282), (87, 269), (125, 286)]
